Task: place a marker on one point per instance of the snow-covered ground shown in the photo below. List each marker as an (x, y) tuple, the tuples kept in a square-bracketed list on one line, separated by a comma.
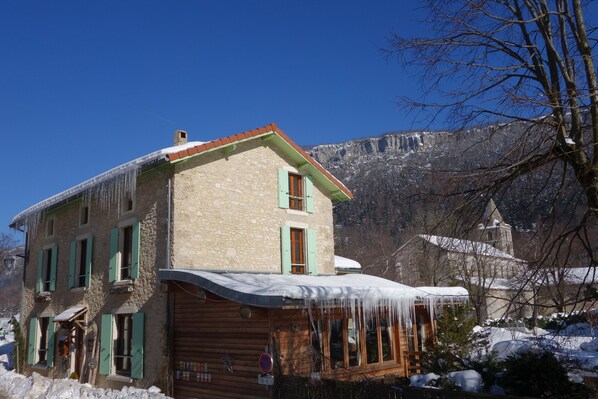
[(17, 386), (576, 344)]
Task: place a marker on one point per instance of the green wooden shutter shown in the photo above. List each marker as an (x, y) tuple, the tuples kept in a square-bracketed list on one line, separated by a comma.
[(53, 267), (312, 252), (135, 249), (72, 264), (51, 334), (285, 247), (32, 343), (309, 194), (283, 189), (113, 266), (106, 345), (137, 346), (40, 272), (88, 256)]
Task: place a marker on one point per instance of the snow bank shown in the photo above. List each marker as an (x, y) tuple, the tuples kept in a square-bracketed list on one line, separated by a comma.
[(18, 386), (468, 380), (423, 380)]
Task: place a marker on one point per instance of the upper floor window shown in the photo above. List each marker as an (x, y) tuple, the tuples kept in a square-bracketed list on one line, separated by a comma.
[(80, 262), (297, 257), (122, 344), (124, 252), (40, 348), (295, 191), (84, 215), (50, 227), (46, 269)]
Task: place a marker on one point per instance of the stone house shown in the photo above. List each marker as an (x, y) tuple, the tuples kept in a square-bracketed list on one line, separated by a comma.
[(487, 267), (208, 269)]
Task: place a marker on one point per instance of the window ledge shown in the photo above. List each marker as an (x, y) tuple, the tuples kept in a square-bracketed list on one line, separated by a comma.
[(122, 287), (118, 377), (296, 212), (78, 289), (40, 366), (123, 282), (44, 296)]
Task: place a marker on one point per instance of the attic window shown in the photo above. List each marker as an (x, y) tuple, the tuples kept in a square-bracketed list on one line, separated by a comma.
[(84, 215), (183, 135), (50, 228), (127, 203)]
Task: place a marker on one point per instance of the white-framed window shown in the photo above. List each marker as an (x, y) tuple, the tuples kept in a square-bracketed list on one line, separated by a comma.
[(47, 261), (40, 347), (295, 191), (80, 261), (124, 252), (299, 254), (84, 215), (121, 344)]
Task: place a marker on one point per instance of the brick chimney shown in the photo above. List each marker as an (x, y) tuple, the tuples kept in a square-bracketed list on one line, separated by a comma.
[(180, 137)]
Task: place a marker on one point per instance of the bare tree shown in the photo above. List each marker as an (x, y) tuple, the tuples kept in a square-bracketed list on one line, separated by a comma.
[(523, 62)]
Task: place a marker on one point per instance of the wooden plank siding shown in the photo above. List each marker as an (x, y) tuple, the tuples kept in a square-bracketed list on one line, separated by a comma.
[(206, 329), (206, 333)]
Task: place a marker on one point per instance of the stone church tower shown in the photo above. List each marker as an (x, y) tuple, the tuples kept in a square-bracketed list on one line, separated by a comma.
[(494, 230)]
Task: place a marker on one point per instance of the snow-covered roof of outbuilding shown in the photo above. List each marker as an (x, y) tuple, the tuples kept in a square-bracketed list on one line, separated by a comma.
[(467, 247), (347, 291), (346, 264)]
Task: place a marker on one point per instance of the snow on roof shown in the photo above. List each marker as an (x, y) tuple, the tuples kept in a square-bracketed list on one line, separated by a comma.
[(498, 283), (581, 275), (123, 175), (573, 276), (466, 246), (346, 263), (346, 291), (70, 313)]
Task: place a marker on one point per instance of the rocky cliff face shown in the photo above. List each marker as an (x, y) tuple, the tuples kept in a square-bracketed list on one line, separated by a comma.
[(390, 144)]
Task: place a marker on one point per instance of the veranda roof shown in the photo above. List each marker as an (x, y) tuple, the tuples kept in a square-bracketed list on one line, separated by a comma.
[(278, 291)]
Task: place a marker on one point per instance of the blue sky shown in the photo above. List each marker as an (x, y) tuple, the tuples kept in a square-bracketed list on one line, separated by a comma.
[(86, 86)]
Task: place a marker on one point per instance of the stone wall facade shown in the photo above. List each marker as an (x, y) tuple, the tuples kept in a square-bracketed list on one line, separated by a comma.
[(150, 207), (226, 214)]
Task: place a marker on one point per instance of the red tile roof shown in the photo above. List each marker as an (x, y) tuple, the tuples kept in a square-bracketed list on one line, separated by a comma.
[(198, 149)]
